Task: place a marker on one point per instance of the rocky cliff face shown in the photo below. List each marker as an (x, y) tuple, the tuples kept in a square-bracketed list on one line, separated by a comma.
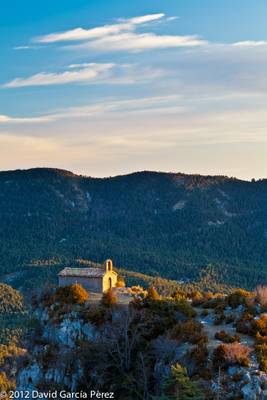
[(131, 350), (52, 359)]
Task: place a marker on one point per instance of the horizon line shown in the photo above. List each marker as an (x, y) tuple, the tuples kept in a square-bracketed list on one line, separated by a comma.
[(78, 174)]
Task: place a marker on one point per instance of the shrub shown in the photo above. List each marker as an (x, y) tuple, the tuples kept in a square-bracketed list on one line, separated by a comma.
[(47, 297), (74, 294), (9, 352), (49, 355), (208, 295), (109, 298), (153, 294), (136, 289), (260, 326), (229, 319), (179, 295), (261, 339), (219, 319), (218, 304), (244, 324), (206, 373), (189, 331), (78, 295), (162, 315), (231, 354), (167, 307), (226, 338), (96, 313), (5, 384), (197, 299), (261, 353), (185, 308), (179, 386), (261, 295), (239, 297), (138, 293), (196, 294), (237, 377), (121, 282), (199, 354)]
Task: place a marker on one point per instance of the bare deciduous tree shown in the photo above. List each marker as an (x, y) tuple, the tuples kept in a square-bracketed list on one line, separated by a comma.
[(121, 344), (261, 295)]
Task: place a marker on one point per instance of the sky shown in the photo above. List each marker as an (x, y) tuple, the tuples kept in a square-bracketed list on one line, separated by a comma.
[(108, 87)]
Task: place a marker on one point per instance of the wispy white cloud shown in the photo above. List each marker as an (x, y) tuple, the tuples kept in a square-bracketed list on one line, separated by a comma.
[(29, 47), (172, 18), (22, 47), (85, 73), (123, 36), (81, 65), (6, 119), (144, 19), (108, 106), (91, 73), (250, 43), (142, 41), (98, 32)]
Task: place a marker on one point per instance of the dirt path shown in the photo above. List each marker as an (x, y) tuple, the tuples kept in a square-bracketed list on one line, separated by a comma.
[(122, 295), (212, 329)]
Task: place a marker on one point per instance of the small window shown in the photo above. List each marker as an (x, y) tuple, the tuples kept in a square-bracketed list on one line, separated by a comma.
[(110, 283)]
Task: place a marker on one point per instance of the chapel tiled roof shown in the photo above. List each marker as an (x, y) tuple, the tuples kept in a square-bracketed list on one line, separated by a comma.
[(83, 272)]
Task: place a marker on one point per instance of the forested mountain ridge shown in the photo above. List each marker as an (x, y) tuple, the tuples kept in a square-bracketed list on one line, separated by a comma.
[(165, 223)]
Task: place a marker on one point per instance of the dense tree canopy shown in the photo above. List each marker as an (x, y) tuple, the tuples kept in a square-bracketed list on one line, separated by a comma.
[(172, 225)]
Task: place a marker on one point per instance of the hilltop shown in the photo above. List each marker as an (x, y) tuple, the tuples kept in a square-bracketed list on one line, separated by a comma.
[(153, 338), (192, 345), (167, 224)]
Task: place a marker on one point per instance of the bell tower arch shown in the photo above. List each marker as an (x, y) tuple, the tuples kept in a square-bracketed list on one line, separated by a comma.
[(109, 265)]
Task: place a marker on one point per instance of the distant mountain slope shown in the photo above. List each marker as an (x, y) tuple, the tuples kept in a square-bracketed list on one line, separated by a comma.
[(11, 301), (171, 224), (12, 316)]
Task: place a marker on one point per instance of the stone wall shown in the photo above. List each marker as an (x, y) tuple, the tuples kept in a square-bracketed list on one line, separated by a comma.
[(90, 284), (110, 276)]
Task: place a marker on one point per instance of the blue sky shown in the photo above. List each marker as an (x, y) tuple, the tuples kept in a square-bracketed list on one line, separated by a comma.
[(110, 87)]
